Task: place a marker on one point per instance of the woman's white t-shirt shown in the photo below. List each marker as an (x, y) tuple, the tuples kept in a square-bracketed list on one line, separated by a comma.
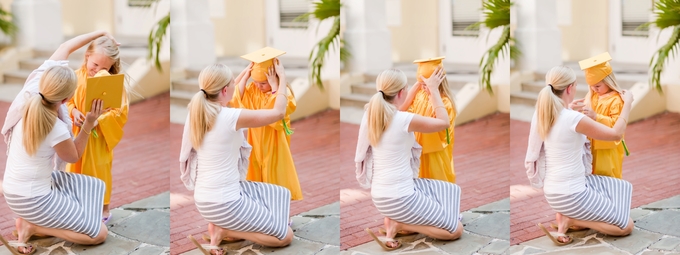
[(565, 171), (392, 173), (217, 175), (30, 176)]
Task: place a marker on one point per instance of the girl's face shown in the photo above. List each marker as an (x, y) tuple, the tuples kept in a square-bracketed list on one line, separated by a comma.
[(263, 86), (600, 88), (97, 62)]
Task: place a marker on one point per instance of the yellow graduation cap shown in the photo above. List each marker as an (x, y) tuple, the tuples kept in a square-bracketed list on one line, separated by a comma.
[(427, 66), (263, 59), (596, 68), (106, 87)]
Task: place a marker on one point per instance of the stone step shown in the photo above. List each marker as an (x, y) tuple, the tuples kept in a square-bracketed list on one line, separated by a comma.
[(8, 91), (34, 63), (187, 85), (354, 100), (180, 98), (16, 76), (523, 97), (536, 86), (456, 81)]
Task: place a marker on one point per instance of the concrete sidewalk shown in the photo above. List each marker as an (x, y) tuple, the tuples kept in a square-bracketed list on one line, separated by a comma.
[(140, 165), (657, 231), (480, 162), (486, 232), (652, 168), (314, 146), (138, 228), (316, 232)]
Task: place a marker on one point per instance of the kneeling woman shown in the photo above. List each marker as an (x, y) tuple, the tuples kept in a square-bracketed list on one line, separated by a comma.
[(558, 159), (48, 202), (387, 158), (214, 156)]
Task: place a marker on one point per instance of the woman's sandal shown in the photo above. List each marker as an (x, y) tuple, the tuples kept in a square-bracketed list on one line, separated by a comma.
[(399, 233), (15, 233), (556, 236), (225, 240), (571, 228), (203, 247), (13, 246), (384, 244)]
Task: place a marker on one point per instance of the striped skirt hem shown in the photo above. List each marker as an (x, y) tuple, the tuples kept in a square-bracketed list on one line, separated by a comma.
[(262, 208), (605, 199), (433, 203), (74, 203)]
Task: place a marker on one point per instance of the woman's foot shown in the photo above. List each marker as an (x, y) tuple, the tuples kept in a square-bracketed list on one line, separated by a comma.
[(391, 227), (24, 232)]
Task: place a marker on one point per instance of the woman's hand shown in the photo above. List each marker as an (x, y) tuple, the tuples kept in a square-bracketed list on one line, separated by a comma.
[(272, 79), (112, 38), (245, 74), (589, 112), (627, 96), (278, 67), (577, 105), (435, 79)]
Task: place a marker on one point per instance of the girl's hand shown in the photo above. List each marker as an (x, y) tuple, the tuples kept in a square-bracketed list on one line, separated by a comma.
[(272, 79), (435, 79), (78, 117)]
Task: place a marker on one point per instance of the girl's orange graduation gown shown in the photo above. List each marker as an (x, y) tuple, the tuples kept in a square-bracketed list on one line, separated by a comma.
[(98, 155), (270, 160), (436, 160)]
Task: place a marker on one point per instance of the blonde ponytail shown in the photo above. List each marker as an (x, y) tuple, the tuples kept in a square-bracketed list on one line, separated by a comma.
[(380, 111), (549, 104), (40, 113), (204, 107)]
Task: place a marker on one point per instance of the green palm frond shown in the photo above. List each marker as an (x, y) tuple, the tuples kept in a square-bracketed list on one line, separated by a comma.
[(502, 48), (658, 61), (496, 15), (325, 9), (6, 25), (320, 51), (667, 16), (156, 37)]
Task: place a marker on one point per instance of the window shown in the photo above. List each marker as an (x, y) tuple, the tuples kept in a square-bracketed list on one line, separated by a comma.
[(633, 14), (291, 9), (463, 14)]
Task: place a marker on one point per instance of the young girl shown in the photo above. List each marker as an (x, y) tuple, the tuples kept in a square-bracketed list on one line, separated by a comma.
[(270, 160), (436, 161), (37, 132), (101, 54), (604, 104)]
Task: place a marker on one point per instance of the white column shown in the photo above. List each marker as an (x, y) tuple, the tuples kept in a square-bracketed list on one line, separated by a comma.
[(39, 23), (538, 35), (367, 36), (192, 38)]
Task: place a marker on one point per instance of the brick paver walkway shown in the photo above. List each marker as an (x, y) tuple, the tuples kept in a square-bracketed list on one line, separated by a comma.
[(651, 168), (141, 163), (480, 162), (314, 146)]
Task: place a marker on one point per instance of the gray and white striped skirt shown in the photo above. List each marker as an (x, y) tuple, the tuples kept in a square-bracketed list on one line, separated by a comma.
[(605, 199), (434, 203), (262, 208), (74, 203)]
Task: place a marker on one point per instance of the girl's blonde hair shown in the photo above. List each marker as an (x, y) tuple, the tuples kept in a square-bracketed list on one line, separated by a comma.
[(108, 47), (549, 104), (610, 81), (380, 111), (56, 84), (204, 107), (445, 91)]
